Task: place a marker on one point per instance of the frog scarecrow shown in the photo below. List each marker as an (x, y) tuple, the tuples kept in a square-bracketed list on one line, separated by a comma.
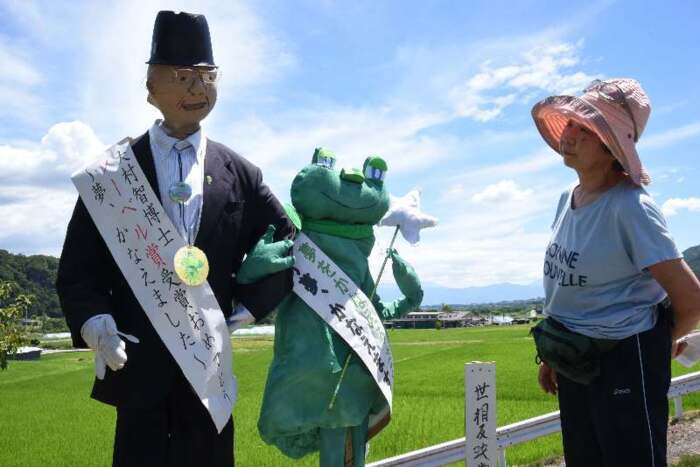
[(329, 384)]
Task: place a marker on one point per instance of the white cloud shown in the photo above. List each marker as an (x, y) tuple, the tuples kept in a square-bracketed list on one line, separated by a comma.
[(74, 144), (477, 244), (476, 247), (283, 145), (36, 196), (66, 147), (669, 137), (550, 68), (672, 206), (670, 107), (474, 244), (113, 78), (41, 19), (540, 161), (16, 69), (35, 218), (503, 191), (18, 82)]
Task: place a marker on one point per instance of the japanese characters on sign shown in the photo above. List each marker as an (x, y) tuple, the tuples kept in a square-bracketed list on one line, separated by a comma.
[(143, 242), (480, 415), (324, 287)]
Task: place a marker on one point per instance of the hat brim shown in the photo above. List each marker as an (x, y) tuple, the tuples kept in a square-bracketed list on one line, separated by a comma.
[(164, 62), (552, 114)]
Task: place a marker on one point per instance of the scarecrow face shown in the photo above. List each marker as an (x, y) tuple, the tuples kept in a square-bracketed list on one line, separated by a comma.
[(184, 95), (349, 196)]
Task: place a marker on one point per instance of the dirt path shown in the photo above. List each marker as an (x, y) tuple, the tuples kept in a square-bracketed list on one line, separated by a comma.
[(683, 438)]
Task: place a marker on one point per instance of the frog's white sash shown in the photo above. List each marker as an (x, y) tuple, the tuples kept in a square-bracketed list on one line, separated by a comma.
[(324, 287), (143, 241)]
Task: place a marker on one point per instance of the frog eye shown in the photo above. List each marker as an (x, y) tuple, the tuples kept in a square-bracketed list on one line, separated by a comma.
[(324, 157), (373, 173), (375, 168)]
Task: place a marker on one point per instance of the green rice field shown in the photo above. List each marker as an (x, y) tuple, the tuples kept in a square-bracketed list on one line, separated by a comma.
[(48, 419)]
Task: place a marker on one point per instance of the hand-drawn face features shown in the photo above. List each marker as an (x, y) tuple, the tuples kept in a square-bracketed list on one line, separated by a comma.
[(184, 95), (319, 191)]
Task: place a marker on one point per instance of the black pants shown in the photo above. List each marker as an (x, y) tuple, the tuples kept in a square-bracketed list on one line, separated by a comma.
[(179, 432), (621, 418)]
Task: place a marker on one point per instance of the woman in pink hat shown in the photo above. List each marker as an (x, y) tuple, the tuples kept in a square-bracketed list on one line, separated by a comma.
[(610, 269)]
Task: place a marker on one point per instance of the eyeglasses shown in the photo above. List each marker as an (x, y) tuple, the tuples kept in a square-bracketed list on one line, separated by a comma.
[(614, 93), (185, 76)]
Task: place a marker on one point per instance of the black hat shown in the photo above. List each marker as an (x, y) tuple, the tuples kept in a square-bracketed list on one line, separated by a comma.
[(181, 39)]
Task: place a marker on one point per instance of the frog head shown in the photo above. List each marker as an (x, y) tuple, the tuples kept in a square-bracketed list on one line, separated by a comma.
[(349, 196)]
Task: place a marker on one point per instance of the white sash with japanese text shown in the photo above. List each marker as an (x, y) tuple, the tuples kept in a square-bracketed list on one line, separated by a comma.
[(143, 241), (324, 287)]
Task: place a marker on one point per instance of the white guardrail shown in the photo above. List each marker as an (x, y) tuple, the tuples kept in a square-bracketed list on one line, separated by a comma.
[(520, 432)]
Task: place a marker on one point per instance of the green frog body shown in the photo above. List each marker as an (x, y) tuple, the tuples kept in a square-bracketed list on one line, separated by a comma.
[(338, 210)]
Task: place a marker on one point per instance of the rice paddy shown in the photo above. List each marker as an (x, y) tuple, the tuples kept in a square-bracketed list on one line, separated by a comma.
[(47, 417)]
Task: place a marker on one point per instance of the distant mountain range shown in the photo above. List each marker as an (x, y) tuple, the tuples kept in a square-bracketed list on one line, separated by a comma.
[(437, 295)]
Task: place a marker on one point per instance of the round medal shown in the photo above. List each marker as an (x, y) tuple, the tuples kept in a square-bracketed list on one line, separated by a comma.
[(191, 265), (180, 192)]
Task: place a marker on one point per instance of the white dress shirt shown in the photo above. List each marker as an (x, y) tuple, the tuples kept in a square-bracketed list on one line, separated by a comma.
[(180, 161), (183, 160)]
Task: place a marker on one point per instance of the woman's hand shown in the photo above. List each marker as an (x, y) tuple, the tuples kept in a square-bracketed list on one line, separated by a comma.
[(547, 379), (677, 348)]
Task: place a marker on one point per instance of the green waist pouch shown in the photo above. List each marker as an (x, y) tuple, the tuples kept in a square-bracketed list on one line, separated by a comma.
[(573, 355)]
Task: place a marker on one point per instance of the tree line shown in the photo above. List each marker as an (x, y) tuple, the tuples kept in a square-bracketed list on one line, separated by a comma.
[(36, 276)]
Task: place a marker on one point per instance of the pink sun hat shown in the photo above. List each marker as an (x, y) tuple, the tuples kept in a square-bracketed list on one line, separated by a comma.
[(617, 110)]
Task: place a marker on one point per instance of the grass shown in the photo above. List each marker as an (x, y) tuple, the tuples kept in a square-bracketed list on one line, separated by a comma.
[(56, 344), (47, 418), (688, 460)]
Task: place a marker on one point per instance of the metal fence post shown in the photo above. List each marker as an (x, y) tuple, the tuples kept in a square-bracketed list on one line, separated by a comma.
[(678, 405), (502, 457)]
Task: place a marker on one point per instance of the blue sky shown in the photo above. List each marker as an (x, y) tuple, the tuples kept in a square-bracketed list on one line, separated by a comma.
[(442, 90)]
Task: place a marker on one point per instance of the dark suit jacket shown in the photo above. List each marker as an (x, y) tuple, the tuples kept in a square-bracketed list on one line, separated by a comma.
[(237, 209)]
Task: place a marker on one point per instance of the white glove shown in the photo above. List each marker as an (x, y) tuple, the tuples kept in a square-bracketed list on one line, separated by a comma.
[(101, 335), (240, 317), (690, 355)]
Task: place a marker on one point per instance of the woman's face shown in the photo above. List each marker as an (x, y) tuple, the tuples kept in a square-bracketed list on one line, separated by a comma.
[(582, 150)]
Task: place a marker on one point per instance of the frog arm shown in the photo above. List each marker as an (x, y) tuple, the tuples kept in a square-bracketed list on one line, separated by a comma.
[(395, 309)]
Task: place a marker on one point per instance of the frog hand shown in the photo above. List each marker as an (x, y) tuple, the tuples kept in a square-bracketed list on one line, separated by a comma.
[(267, 257), (407, 279)]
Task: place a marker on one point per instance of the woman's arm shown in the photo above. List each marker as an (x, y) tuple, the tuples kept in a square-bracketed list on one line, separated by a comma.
[(683, 288)]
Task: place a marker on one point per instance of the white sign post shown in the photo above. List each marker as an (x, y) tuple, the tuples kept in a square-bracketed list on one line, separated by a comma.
[(480, 414)]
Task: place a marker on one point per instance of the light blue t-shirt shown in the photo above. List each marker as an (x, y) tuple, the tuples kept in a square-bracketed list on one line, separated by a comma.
[(595, 271)]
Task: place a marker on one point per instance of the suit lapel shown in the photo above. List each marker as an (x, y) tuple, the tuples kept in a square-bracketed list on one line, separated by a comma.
[(218, 184), (144, 156)]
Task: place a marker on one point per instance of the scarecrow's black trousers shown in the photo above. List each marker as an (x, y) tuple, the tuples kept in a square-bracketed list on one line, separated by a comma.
[(621, 419), (178, 432)]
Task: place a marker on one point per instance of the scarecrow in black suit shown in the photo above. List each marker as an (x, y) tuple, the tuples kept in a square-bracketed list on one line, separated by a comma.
[(217, 201)]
